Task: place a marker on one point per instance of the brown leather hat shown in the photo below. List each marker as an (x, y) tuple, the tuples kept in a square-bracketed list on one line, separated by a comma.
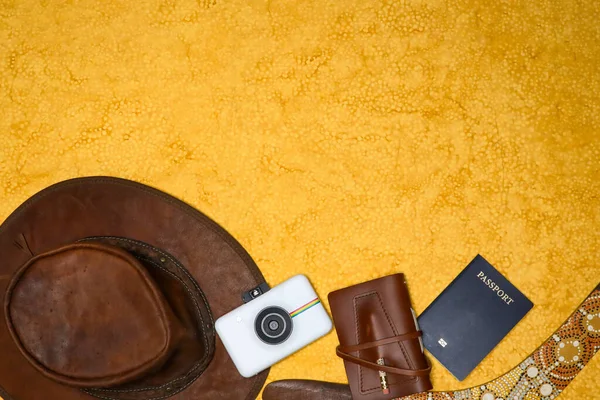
[(111, 289)]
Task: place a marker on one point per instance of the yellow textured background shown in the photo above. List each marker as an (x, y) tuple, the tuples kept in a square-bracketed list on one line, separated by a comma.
[(341, 139)]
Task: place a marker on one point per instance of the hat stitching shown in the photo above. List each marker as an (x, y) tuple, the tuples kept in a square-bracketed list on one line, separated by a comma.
[(174, 261), (181, 268), (24, 269), (191, 371), (250, 395), (166, 255)]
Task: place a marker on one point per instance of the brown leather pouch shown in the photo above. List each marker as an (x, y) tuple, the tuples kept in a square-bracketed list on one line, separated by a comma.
[(374, 321)]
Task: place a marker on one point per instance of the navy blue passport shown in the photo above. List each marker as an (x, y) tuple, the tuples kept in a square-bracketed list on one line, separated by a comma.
[(471, 316)]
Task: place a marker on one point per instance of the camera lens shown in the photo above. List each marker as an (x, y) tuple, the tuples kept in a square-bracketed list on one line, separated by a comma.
[(273, 325)]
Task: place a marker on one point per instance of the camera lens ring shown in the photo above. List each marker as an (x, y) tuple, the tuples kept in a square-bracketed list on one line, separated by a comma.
[(266, 325), (267, 319)]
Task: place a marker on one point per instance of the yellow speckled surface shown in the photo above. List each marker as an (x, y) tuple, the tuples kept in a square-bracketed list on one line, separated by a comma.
[(345, 140)]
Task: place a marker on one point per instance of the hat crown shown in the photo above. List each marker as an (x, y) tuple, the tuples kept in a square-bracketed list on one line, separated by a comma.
[(89, 315), (198, 267)]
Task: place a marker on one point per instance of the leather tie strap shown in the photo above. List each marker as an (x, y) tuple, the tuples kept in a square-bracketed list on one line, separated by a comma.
[(382, 342), (343, 353)]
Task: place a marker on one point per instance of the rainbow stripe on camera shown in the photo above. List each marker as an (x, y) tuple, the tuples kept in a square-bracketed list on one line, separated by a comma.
[(305, 307)]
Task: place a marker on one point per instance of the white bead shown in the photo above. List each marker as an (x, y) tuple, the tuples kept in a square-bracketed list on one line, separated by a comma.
[(590, 316), (561, 359), (575, 358), (561, 345), (546, 389), (532, 372), (576, 343), (590, 328), (488, 396)]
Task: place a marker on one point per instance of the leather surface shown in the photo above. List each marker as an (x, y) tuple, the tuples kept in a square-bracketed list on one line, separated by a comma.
[(298, 389), (195, 345), (113, 208), (90, 315), (376, 310)]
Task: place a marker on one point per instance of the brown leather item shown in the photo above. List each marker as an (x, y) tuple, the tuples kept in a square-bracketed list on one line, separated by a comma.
[(300, 389), (374, 320), (110, 291)]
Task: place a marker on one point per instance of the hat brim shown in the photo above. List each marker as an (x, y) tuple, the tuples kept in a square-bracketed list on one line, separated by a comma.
[(106, 206)]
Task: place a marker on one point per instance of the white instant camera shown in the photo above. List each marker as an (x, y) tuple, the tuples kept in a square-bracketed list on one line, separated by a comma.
[(273, 325)]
